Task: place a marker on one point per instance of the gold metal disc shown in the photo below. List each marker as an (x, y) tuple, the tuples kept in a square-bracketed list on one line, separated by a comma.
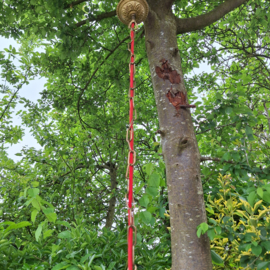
[(127, 8)]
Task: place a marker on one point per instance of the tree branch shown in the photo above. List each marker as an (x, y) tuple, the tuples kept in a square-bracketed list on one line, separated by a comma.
[(216, 159), (216, 128), (201, 21), (97, 18), (112, 202), (170, 2), (10, 101), (74, 3)]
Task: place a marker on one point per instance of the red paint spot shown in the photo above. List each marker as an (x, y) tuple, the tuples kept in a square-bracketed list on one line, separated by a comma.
[(166, 72), (179, 100)]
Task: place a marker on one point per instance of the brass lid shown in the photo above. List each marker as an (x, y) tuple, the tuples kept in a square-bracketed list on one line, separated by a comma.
[(127, 8)]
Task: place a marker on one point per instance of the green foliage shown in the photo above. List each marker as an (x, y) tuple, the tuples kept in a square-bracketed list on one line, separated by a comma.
[(77, 248), (239, 228), (202, 229), (54, 202)]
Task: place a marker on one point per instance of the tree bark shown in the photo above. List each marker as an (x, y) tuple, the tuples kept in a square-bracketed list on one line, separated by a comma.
[(179, 146)]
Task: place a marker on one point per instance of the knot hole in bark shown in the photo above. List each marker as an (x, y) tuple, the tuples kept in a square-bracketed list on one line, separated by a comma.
[(151, 43), (161, 132), (183, 143), (174, 52)]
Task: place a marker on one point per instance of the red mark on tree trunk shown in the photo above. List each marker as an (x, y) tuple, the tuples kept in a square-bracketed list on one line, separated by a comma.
[(179, 100), (166, 72)]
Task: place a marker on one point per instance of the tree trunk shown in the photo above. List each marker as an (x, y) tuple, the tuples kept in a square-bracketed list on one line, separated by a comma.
[(179, 146), (112, 202)]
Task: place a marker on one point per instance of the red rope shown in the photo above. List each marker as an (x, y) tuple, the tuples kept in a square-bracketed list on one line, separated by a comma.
[(131, 226)]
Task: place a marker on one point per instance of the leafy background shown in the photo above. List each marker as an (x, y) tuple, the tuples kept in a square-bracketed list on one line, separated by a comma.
[(55, 199)]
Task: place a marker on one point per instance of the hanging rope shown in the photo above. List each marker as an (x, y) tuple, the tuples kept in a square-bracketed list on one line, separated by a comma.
[(131, 154), (127, 11)]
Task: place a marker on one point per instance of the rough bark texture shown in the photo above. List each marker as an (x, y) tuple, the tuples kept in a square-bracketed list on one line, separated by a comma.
[(112, 202), (179, 146)]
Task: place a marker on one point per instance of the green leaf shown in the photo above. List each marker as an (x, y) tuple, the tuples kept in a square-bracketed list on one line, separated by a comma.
[(36, 204), (51, 217), (62, 265), (162, 182), (235, 156), (47, 234), (249, 130), (33, 192), (144, 200), (229, 110), (250, 137), (84, 258), (262, 265), (209, 209), (204, 227), (35, 184), (73, 254), (18, 225), (211, 234), (63, 223), (153, 191), (199, 232), (65, 235), (39, 9), (162, 211), (218, 230), (257, 250), (153, 221), (73, 267), (112, 264), (230, 204), (251, 198), (139, 238), (266, 196), (33, 215), (47, 210), (212, 221), (152, 209), (146, 217), (7, 223), (38, 231), (149, 168), (254, 243), (226, 156), (266, 245), (154, 180), (216, 259), (260, 192)]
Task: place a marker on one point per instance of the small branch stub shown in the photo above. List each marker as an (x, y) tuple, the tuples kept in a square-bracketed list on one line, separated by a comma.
[(127, 9)]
